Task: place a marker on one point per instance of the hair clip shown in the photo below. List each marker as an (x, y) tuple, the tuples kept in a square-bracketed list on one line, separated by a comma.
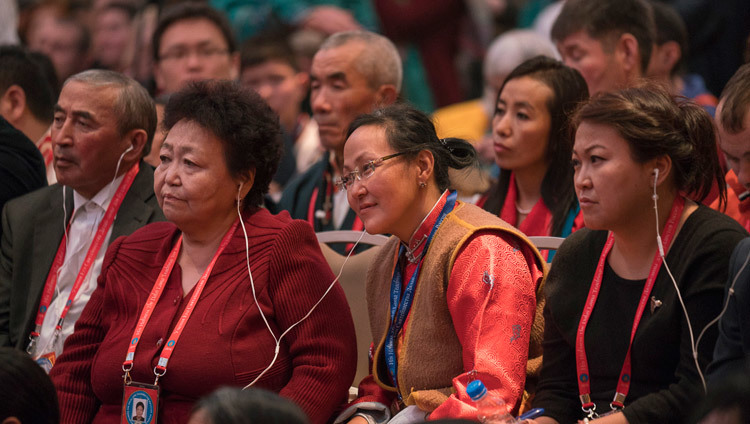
[(442, 141)]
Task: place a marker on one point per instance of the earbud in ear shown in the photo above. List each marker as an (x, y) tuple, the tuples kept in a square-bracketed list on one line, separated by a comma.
[(239, 189)]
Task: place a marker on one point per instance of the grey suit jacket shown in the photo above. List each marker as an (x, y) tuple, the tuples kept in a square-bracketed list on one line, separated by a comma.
[(32, 230)]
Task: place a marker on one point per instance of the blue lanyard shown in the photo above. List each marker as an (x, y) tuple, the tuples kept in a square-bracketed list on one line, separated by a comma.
[(399, 312)]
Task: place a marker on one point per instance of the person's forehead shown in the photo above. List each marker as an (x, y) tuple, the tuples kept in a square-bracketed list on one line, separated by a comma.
[(271, 66), (339, 59), (580, 39), (736, 144), (190, 31), (62, 33), (98, 100)]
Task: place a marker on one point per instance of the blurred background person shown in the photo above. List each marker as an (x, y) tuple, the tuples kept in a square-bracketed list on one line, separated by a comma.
[(55, 31), (27, 98), (270, 68), (533, 145), (113, 40), (215, 168), (28, 396), (230, 405), (608, 41), (733, 128), (192, 42), (352, 73), (669, 58)]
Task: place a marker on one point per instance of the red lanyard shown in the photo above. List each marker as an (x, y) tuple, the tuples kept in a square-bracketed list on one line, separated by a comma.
[(357, 225), (153, 298), (582, 366), (88, 262)]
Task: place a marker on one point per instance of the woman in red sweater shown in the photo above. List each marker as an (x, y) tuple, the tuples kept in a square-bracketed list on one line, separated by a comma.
[(178, 306)]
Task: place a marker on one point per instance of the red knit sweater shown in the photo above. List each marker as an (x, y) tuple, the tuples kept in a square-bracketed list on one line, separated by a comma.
[(225, 342)]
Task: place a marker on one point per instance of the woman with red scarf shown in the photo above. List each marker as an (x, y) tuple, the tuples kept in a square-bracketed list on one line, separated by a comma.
[(532, 148)]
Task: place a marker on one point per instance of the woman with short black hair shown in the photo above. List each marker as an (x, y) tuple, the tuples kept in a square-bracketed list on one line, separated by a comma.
[(217, 285), (628, 296)]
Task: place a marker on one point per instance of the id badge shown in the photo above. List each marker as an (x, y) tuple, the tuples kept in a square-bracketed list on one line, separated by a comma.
[(46, 361), (140, 403)]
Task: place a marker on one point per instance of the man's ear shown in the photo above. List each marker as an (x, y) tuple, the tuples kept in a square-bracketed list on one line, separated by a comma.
[(13, 104), (672, 54), (137, 138), (234, 66), (628, 54), (386, 95)]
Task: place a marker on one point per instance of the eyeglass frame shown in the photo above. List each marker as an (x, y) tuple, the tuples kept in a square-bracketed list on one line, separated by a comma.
[(356, 175)]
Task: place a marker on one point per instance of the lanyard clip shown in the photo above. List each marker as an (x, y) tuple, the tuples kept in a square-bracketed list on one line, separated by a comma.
[(618, 402), (159, 371), (31, 348), (590, 412), (126, 369), (588, 406)]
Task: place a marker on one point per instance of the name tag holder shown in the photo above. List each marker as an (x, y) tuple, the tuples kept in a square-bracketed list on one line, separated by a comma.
[(136, 393), (140, 402)]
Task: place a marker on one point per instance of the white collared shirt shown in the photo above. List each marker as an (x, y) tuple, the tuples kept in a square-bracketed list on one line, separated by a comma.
[(85, 220)]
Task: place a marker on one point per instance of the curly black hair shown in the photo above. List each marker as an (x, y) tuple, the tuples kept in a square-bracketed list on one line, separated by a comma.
[(247, 127)]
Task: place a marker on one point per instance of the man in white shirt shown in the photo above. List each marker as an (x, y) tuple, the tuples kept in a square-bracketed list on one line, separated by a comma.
[(54, 239)]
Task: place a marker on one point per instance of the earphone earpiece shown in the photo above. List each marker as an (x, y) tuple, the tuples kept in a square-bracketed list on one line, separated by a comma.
[(129, 149), (239, 189)]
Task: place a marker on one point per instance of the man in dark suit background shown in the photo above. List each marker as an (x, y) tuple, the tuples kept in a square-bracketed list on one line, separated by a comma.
[(103, 125)]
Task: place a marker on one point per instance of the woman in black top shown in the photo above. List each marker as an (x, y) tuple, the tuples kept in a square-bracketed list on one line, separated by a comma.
[(636, 152)]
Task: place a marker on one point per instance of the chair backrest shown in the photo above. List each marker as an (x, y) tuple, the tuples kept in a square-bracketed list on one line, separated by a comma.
[(348, 236), (352, 280), (547, 243)]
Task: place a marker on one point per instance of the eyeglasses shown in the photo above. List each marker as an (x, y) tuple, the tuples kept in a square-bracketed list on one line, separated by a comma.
[(179, 54), (347, 181)]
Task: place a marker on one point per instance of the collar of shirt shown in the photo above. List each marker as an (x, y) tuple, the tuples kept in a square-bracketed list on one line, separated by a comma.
[(100, 199)]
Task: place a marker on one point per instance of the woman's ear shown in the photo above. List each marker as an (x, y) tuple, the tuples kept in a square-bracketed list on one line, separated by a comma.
[(425, 163), (662, 169), (245, 182)]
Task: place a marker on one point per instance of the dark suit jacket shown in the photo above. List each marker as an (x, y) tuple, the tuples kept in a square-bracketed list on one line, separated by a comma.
[(732, 351), (32, 230)]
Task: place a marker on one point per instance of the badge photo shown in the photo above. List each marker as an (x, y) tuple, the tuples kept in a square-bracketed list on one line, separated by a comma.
[(140, 403)]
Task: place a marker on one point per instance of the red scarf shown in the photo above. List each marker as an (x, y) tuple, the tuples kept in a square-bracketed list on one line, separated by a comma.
[(537, 223)]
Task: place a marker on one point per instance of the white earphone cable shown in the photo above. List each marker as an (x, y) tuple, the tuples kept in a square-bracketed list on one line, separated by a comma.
[(257, 304), (660, 245)]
